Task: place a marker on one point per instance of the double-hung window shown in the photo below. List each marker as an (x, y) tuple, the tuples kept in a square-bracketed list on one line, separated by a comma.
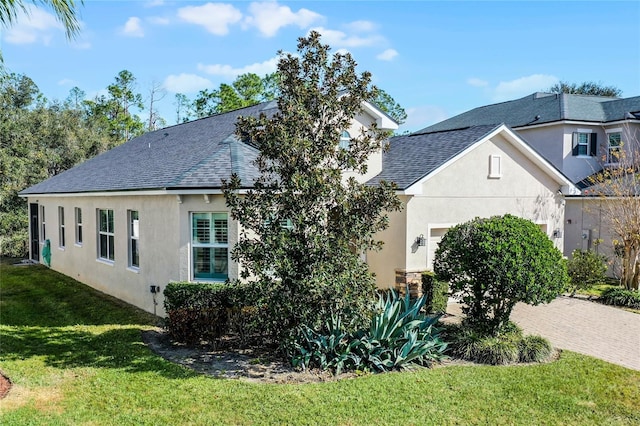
[(584, 143), (345, 140), (134, 233), (61, 235), (614, 146), (105, 234), (210, 246), (43, 226), (78, 223)]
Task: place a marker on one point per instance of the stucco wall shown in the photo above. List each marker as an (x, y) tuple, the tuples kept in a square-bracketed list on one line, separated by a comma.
[(159, 236), (463, 191)]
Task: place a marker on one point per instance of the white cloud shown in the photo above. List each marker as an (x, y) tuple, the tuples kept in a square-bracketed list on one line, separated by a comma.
[(362, 26), (67, 82), (158, 20), (506, 90), (336, 38), (214, 17), (477, 82), (269, 17), (34, 26), (228, 71), (154, 3), (132, 28), (387, 55), (186, 83), (422, 116)]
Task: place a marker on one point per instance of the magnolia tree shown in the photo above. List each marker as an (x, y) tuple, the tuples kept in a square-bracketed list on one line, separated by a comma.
[(618, 184), (304, 227), (497, 262)]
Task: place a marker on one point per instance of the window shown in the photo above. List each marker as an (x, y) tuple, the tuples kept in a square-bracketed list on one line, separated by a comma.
[(61, 240), (105, 234), (78, 219), (345, 140), (134, 232), (210, 245), (43, 227), (584, 143), (614, 147)]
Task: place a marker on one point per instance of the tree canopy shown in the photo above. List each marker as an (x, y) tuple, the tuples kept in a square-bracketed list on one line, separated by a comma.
[(305, 226), (586, 88)]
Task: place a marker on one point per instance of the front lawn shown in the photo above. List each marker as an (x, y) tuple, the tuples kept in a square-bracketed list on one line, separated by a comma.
[(76, 357)]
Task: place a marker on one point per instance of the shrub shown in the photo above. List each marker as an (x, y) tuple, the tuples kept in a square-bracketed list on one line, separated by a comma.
[(399, 336), (618, 296), (496, 262), (505, 348), (534, 349), (586, 268), (206, 312), (436, 293)]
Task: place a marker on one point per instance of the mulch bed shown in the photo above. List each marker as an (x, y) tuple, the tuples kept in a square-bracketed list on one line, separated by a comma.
[(5, 385)]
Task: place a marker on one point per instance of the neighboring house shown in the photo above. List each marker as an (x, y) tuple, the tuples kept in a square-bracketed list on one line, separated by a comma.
[(578, 134), (151, 211)]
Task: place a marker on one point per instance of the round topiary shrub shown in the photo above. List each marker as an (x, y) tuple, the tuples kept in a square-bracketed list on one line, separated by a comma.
[(494, 263)]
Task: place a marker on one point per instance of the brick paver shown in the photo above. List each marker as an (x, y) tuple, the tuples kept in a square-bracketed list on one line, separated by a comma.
[(582, 326)]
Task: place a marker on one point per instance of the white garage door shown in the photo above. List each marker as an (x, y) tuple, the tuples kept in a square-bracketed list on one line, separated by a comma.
[(435, 236)]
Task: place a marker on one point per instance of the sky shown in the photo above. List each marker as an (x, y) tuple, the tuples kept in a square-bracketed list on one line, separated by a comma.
[(436, 59)]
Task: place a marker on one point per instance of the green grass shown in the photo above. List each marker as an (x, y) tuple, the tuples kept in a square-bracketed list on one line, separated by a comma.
[(596, 290), (76, 357)]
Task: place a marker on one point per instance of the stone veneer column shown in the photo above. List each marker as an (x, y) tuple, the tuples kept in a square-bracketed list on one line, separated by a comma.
[(411, 279)]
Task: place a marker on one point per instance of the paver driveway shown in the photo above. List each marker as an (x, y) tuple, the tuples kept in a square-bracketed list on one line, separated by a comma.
[(589, 328)]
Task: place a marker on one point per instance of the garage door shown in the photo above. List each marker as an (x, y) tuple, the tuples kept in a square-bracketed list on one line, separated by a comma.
[(435, 236)]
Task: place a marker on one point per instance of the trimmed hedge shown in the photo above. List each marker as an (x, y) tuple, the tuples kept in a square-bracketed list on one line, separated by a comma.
[(436, 293), (205, 312)]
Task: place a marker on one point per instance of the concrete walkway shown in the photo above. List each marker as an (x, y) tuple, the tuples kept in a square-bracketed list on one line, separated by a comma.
[(590, 328)]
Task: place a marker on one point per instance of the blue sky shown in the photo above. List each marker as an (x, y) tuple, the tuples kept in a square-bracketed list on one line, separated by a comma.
[(436, 59)]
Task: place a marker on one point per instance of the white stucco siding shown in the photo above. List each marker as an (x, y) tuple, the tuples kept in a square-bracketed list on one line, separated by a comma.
[(392, 256), (158, 239), (374, 162), (464, 190)]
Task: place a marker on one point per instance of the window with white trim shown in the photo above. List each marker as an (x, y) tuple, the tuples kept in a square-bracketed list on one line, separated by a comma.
[(106, 235), (345, 140), (614, 147), (210, 246), (134, 234), (43, 226), (78, 225), (61, 235), (584, 143)]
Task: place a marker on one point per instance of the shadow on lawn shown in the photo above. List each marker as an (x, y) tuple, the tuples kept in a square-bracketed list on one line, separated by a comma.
[(119, 348)]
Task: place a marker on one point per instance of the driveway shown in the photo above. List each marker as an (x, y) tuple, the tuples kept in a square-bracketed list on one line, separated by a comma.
[(601, 331)]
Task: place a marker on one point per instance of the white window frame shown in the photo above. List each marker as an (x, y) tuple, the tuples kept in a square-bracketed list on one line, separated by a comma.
[(134, 238), (345, 140), (213, 244), (77, 215), (61, 228), (611, 132), (43, 226), (107, 233)]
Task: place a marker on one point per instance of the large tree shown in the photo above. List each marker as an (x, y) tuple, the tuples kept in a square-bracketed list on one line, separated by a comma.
[(38, 139), (304, 226), (585, 88)]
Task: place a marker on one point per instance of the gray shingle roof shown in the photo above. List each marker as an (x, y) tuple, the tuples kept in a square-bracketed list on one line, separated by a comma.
[(412, 157), (541, 108), (197, 154)]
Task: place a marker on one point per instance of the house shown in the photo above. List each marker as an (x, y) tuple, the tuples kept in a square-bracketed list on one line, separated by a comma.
[(580, 135), (152, 211)]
